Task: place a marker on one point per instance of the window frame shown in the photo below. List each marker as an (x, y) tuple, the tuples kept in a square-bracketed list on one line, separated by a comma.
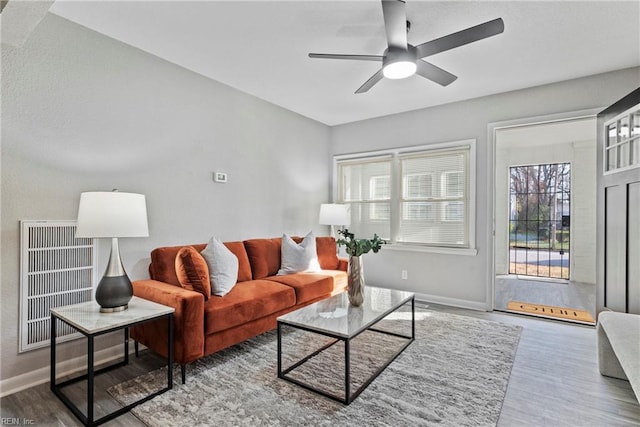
[(395, 154), (615, 144)]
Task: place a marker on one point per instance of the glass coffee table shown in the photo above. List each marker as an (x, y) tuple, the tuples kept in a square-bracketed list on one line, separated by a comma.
[(335, 318)]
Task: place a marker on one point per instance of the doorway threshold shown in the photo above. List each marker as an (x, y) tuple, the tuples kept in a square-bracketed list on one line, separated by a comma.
[(542, 279)]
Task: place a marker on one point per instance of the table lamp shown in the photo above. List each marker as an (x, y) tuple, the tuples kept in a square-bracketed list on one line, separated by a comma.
[(112, 214), (334, 214)]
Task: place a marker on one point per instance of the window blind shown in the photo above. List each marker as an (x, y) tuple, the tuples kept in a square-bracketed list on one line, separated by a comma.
[(434, 198), (417, 196), (365, 185)]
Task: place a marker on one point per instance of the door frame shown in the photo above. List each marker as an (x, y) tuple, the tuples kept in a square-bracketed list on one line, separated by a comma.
[(492, 128)]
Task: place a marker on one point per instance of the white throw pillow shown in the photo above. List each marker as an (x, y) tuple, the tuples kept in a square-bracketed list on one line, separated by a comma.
[(223, 267), (299, 257)]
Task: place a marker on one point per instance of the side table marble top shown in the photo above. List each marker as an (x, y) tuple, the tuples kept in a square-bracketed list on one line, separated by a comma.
[(87, 317)]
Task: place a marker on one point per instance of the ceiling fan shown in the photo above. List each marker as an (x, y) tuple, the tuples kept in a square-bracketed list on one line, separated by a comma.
[(401, 59)]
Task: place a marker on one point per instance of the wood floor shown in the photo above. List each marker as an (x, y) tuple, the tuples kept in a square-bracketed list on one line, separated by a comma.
[(555, 382), (555, 379)]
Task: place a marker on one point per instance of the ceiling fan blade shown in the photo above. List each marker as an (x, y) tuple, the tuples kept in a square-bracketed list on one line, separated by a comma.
[(340, 56), (372, 81), (470, 35), (433, 73), (395, 23)]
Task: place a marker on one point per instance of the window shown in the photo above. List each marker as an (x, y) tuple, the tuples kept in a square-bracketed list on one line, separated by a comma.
[(622, 142), (453, 211), (365, 185), (380, 189), (417, 186), (413, 196), (453, 184)]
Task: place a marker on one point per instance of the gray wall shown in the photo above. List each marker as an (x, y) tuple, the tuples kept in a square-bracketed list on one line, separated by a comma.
[(461, 279), (83, 112)]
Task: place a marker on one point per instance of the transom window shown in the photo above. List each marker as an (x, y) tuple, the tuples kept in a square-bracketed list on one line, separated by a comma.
[(411, 196), (622, 142)]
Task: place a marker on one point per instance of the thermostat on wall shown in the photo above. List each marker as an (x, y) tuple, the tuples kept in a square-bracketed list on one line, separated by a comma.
[(220, 177)]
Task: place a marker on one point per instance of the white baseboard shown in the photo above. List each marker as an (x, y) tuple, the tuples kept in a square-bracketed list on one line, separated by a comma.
[(66, 367), (453, 302)]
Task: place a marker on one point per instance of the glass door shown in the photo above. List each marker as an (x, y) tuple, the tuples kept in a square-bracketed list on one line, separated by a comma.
[(539, 220)]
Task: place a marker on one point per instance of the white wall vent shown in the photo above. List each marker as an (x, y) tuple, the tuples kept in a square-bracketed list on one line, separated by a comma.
[(56, 269)]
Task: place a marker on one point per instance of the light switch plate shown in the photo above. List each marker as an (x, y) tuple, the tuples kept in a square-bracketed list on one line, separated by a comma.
[(220, 177)]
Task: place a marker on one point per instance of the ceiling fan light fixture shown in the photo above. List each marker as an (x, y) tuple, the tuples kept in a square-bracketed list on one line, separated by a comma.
[(399, 63), (399, 69)]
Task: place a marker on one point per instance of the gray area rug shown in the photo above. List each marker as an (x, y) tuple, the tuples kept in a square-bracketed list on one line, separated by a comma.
[(455, 373)]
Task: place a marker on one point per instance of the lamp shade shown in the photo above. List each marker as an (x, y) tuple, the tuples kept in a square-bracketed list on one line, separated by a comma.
[(108, 214), (334, 214)]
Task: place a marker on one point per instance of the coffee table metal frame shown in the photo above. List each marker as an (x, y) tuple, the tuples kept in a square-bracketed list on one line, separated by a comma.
[(90, 332), (346, 339)]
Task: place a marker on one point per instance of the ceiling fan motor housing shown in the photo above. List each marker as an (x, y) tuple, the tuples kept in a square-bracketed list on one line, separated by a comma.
[(399, 63)]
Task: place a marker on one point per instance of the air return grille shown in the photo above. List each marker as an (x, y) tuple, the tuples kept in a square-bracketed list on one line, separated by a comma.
[(56, 269)]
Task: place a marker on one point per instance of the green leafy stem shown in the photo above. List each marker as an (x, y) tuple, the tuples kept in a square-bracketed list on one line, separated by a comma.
[(357, 247)]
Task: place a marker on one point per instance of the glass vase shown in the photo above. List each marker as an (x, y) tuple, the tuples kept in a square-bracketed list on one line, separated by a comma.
[(355, 275)]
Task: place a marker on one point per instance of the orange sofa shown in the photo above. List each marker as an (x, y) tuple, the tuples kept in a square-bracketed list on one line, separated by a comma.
[(249, 309)]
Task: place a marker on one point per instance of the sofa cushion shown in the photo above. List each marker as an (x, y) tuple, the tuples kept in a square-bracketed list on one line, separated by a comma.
[(192, 271), (162, 267), (327, 253), (340, 280), (247, 301), (298, 257), (308, 286), (264, 256), (223, 267), (244, 268), (163, 263)]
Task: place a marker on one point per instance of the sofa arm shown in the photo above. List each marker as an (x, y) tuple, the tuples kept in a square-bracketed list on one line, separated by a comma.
[(343, 264), (188, 320)]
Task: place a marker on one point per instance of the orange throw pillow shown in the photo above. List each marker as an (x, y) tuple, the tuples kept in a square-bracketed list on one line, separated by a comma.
[(192, 271)]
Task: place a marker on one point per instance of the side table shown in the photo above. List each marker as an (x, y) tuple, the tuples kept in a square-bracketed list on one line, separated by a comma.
[(87, 319)]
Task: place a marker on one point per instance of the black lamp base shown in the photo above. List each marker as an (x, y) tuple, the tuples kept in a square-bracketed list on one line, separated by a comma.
[(114, 293)]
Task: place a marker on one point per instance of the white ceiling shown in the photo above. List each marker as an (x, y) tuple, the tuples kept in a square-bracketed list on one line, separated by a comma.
[(261, 47)]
